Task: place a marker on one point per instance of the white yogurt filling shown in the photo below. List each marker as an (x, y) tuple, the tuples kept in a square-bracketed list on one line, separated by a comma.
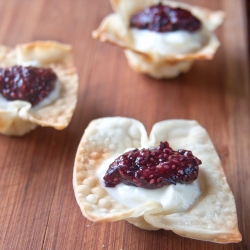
[(33, 63), (175, 42), (53, 95), (174, 198)]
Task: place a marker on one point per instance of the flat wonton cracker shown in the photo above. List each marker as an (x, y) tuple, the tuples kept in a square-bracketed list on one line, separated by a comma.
[(18, 118), (115, 28), (212, 217)]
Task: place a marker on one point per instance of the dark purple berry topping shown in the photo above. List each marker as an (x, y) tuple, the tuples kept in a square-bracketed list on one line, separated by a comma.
[(153, 168), (162, 18), (29, 84)]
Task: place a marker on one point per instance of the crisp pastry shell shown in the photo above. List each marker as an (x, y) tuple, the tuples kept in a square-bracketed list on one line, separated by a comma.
[(18, 118), (212, 217), (143, 64), (115, 29)]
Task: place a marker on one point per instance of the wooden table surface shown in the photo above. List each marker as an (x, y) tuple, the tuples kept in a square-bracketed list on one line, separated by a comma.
[(37, 204)]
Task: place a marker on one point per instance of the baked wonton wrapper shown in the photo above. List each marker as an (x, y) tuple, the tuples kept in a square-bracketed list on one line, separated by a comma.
[(115, 28), (18, 117), (212, 217)]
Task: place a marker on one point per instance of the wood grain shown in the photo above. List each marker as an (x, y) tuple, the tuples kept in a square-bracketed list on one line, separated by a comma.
[(37, 205)]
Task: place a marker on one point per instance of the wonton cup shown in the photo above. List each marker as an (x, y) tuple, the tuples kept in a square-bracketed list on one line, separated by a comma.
[(212, 216), (18, 117), (115, 28)]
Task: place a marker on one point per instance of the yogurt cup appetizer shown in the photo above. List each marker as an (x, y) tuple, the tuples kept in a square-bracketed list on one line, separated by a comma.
[(172, 179), (161, 38), (38, 86)]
